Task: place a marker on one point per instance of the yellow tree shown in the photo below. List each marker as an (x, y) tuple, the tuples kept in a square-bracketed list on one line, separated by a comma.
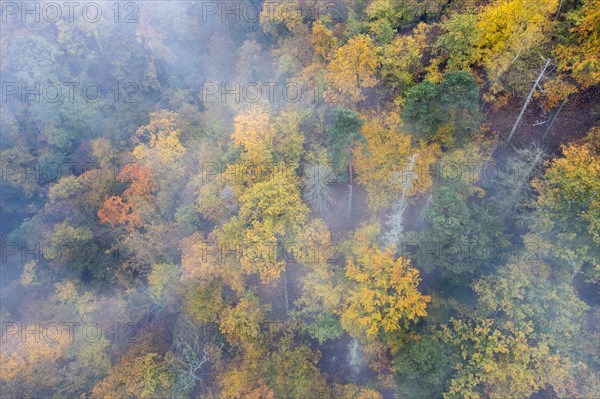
[(271, 211), (141, 372), (55, 362), (276, 365), (383, 294), (571, 183), (353, 69), (510, 29), (568, 206), (159, 149), (241, 323), (355, 392), (159, 144), (294, 52), (382, 163), (281, 18), (323, 41), (323, 286), (203, 260), (458, 43), (581, 56), (534, 291), (32, 359), (501, 362), (254, 134), (401, 61), (288, 143)]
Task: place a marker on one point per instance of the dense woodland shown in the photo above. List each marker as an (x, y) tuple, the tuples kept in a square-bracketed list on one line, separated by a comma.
[(301, 199)]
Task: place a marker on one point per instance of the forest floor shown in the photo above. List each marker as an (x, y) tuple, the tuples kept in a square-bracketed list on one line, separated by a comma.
[(576, 118)]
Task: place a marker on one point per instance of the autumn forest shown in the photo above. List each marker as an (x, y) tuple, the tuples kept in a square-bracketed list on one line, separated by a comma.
[(300, 199)]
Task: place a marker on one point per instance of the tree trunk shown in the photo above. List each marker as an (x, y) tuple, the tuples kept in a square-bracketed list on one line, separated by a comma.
[(425, 207), (537, 81), (396, 220), (285, 291), (553, 119), (523, 180), (350, 185)]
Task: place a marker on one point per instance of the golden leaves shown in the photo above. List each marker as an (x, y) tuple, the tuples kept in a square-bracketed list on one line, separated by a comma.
[(384, 297), (353, 68)]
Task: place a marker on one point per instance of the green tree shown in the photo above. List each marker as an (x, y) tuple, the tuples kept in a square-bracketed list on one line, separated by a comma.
[(422, 367), (532, 292), (459, 98), (448, 112), (323, 286), (465, 236), (422, 109), (341, 138), (458, 43)]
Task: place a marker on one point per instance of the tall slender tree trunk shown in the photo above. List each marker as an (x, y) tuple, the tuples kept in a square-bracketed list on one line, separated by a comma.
[(425, 207), (395, 223), (350, 185), (553, 119), (524, 179), (285, 291), (537, 81)]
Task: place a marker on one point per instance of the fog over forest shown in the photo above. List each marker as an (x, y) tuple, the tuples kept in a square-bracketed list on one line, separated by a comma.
[(300, 199)]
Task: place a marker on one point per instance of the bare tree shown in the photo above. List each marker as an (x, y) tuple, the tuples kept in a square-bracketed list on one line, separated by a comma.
[(316, 187), (515, 181), (191, 352), (537, 81), (395, 231)]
